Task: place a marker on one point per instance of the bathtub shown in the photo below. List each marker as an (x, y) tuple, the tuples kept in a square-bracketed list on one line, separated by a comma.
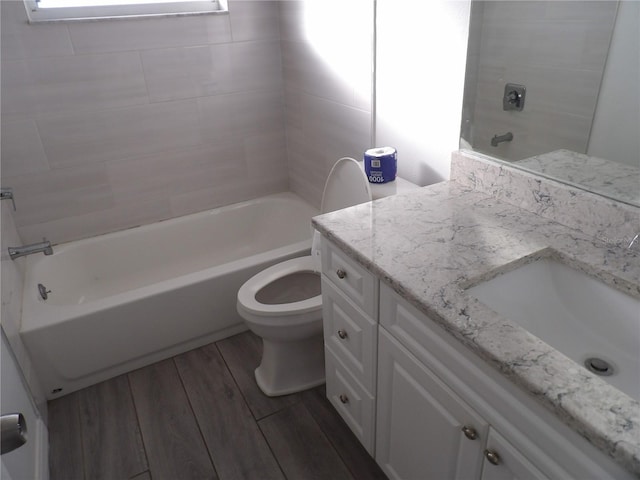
[(130, 298)]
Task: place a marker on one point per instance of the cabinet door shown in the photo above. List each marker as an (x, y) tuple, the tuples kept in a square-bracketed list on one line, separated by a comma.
[(504, 462), (420, 421)]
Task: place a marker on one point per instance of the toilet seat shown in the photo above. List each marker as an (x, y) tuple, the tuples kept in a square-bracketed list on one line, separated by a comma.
[(347, 185), (247, 293)]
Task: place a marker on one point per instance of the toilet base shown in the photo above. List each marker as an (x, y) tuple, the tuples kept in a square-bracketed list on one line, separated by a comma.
[(289, 367)]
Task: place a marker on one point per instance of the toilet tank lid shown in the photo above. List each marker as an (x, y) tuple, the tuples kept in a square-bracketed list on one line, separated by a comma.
[(346, 185)]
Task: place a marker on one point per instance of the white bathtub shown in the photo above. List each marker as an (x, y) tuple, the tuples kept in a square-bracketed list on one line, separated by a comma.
[(127, 299)]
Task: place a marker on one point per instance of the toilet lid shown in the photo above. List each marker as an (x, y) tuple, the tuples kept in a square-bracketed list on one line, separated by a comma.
[(347, 185)]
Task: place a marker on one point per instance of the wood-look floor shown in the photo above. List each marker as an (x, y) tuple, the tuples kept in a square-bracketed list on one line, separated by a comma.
[(200, 415)]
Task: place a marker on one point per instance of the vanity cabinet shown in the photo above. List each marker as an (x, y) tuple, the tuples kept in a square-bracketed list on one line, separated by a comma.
[(349, 311), (424, 405)]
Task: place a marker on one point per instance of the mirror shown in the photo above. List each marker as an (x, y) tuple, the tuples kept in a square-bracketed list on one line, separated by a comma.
[(552, 87)]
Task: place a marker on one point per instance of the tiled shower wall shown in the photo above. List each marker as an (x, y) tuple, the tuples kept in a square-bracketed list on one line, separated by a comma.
[(327, 56), (558, 51), (112, 124)]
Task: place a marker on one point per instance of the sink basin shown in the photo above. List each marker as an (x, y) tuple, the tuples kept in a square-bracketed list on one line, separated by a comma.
[(590, 322)]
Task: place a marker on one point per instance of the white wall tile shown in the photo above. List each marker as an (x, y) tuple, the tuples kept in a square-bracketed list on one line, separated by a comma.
[(142, 34), (21, 149), (254, 19), (69, 83), (98, 136), (59, 193), (22, 40), (265, 156), (327, 75), (97, 222), (187, 72), (230, 193), (292, 25), (175, 171), (256, 66), (210, 70), (240, 115), (304, 70)]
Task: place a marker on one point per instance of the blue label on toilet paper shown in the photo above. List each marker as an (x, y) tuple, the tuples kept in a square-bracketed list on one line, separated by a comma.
[(381, 164)]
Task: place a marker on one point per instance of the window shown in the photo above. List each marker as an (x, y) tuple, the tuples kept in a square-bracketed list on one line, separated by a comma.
[(55, 10)]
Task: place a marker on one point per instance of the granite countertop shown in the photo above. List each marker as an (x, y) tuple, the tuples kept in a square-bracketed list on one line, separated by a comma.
[(614, 179), (431, 243)]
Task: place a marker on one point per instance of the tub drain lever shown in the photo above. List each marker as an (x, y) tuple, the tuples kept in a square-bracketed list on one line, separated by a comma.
[(44, 293)]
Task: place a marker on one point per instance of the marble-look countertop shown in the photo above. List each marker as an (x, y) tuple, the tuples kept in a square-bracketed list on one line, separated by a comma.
[(613, 179), (430, 244)]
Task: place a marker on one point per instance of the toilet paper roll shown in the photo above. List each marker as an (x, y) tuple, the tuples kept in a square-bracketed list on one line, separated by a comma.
[(381, 164)]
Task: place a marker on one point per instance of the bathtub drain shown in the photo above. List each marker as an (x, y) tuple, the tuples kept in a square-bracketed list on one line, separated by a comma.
[(599, 366)]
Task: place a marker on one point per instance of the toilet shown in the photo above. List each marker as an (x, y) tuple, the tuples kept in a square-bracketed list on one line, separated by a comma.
[(283, 303)]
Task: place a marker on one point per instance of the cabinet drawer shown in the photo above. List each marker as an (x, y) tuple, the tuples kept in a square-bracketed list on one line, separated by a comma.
[(355, 281), (350, 333), (352, 401)]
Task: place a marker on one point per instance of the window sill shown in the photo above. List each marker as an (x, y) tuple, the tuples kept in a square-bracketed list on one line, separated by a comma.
[(223, 10)]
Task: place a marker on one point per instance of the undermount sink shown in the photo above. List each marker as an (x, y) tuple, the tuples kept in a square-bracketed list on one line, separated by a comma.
[(590, 322)]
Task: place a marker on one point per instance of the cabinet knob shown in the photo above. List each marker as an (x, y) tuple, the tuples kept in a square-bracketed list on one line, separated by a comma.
[(344, 398), (342, 334), (469, 432), (341, 273), (492, 456)]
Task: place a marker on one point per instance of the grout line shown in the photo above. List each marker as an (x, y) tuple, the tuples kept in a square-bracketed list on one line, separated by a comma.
[(138, 475), (273, 454), (226, 365), (329, 437), (81, 432), (195, 417), (135, 411), (279, 410), (255, 420)]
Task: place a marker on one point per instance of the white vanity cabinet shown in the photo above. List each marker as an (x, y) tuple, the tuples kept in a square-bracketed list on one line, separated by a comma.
[(425, 405)]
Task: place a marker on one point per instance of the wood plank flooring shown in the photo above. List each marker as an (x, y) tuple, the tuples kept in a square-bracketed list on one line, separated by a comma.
[(200, 415)]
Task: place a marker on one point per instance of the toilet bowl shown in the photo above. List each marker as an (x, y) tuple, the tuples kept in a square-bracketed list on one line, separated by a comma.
[(283, 304)]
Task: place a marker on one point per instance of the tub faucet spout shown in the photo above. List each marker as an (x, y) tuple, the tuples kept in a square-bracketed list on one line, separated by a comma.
[(498, 139), (44, 246)]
